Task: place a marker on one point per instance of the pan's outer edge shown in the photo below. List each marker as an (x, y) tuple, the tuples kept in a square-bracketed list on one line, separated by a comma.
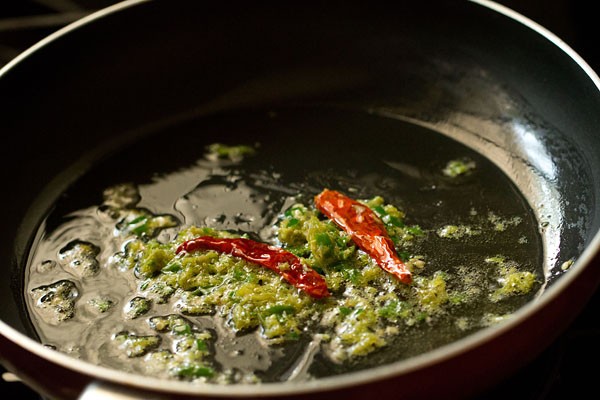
[(583, 275)]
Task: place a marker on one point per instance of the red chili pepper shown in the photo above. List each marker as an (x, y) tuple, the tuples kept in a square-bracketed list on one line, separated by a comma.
[(271, 257), (366, 230)]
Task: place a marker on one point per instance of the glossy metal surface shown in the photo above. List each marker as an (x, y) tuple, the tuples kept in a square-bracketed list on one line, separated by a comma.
[(476, 72)]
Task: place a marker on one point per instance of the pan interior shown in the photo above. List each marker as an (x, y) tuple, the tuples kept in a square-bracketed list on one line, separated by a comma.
[(299, 152)]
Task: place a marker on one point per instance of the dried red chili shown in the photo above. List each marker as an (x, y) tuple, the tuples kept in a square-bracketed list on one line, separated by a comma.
[(365, 228), (286, 264)]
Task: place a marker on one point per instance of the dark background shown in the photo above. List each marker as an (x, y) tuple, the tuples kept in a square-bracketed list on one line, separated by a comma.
[(568, 368), (574, 21)]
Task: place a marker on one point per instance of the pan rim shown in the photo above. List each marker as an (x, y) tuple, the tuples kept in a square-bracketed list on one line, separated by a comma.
[(329, 383)]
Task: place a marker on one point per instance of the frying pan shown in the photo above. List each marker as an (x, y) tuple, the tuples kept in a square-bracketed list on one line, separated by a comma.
[(473, 71)]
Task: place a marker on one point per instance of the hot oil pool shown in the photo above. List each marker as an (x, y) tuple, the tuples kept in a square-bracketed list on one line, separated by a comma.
[(104, 285)]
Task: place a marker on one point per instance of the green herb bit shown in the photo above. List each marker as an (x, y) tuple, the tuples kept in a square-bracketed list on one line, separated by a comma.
[(172, 267), (415, 230), (142, 223), (501, 224), (201, 345), (566, 265), (151, 258), (292, 335), (159, 291), (124, 195), (292, 222), (404, 255), (280, 309), (345, 311), (513, 282), (192, 371), (323, 239), (233, 153), (80, 256), (457, 231), (56, 301), (136, 346), (431, 292), (495, 260), (184, 329), (295, 211), (174, 323), (137, 307), (101, 305), (458, 167), (391, 310)]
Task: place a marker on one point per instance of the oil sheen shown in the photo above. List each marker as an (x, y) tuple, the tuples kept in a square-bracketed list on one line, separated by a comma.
[(472, 222)]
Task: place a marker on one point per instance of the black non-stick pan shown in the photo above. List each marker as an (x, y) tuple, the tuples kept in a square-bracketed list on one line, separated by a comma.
[(472, 71)]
